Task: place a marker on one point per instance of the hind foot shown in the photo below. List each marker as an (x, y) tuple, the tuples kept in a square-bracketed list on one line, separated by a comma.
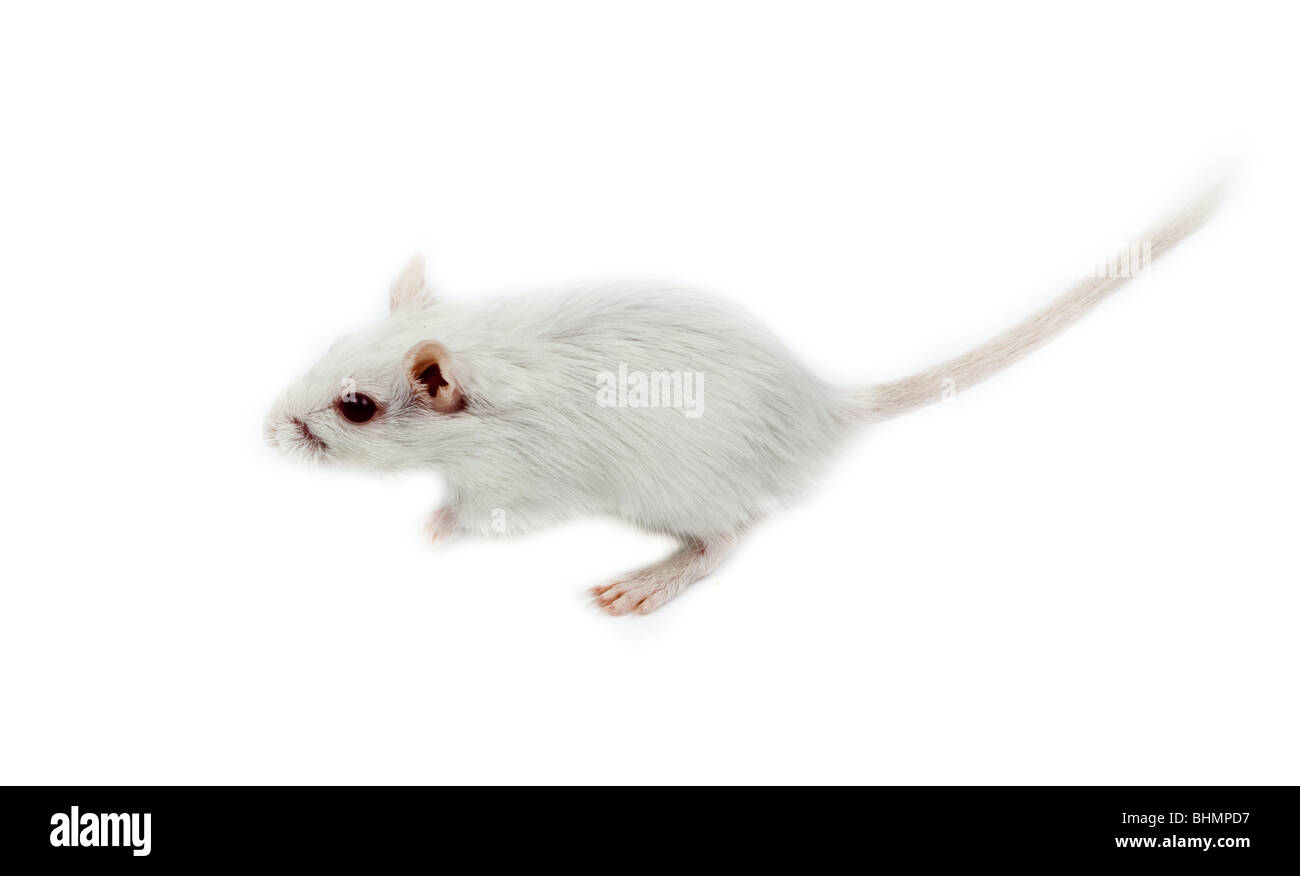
[(646, 589)]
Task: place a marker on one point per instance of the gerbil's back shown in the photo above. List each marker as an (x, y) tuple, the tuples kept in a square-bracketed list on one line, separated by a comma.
[(664, 406)]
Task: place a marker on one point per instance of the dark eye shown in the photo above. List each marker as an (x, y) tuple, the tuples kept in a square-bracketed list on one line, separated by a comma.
[(356, 407)]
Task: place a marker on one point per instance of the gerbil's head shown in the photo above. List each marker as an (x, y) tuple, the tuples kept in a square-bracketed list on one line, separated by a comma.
[(378, 397)]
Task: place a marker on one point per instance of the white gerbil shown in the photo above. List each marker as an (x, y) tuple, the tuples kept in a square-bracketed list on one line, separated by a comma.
[(663, 407)]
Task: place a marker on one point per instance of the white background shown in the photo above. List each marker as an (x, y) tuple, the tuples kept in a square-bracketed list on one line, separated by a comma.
[(1084, 571)]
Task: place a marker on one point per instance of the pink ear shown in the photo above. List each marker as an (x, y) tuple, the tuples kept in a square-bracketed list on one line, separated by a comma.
[(433, 378), (409, 289)]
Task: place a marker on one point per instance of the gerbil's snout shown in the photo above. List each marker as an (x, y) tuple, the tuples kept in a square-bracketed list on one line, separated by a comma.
[(305, 433), (270, 429), (293, 435)]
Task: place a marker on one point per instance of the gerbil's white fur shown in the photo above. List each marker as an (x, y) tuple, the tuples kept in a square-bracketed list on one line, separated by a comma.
[(511, 418)]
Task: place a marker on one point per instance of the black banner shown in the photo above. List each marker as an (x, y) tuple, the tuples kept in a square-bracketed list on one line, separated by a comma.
[(101, 827)]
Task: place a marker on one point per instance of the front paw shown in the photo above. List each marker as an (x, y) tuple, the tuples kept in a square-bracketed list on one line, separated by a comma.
[(440, 526)]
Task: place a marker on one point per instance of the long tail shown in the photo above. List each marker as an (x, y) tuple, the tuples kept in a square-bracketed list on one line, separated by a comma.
[(887, 400)]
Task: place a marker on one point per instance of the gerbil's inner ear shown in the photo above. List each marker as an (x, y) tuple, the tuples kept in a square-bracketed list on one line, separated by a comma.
[(409, 289), (433, 377)]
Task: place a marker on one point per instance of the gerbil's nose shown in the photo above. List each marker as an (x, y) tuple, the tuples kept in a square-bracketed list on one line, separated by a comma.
[(269, 429)]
